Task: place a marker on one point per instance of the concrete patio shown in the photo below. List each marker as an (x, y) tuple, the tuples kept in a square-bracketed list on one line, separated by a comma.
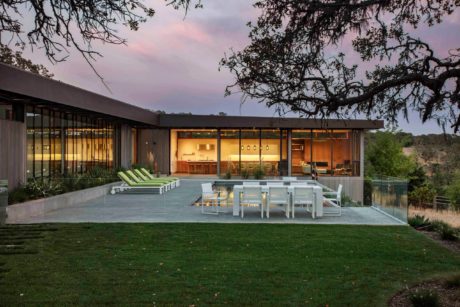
[(176, 206)]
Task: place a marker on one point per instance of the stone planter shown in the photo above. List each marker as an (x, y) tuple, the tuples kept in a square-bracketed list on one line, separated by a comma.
[(39, 207)]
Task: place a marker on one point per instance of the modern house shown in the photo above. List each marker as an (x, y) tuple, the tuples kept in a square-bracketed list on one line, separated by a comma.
[(49, 128)]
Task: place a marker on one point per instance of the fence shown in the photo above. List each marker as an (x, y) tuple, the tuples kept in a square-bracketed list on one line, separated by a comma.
[(389, 195)]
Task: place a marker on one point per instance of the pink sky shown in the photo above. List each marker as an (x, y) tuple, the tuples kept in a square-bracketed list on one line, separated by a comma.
[(171, 63)]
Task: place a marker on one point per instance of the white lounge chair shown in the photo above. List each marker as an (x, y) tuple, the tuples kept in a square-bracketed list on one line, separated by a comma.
[(304, 195), (278, 196), (252, 195), (209, 196), (251, 183)]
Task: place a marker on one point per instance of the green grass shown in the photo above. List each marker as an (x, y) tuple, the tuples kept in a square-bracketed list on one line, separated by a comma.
[(186, 264)]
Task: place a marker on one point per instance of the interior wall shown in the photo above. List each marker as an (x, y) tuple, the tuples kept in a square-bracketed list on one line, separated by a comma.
[(12, 152), (187, 150)]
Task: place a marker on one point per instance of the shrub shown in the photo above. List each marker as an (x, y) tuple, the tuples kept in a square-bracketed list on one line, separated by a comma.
[(245, 173), (39, 188), (421, 195), (346, 200), (453, 192), (453, 281), (228, 174), (259, 173), (446, 231), (424, 298), (43, 188), (367, 197), (18, 195), (418, 221)]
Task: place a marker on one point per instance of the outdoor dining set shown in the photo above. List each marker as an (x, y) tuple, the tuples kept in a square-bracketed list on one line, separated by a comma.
[(287, 194)]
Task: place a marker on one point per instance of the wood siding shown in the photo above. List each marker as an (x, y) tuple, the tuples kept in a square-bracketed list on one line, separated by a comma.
[(12, 152), (126, 143), (153, 146)]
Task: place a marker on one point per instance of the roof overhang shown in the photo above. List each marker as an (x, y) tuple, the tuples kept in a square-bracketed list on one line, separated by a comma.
[(28, 84), (249, 122)]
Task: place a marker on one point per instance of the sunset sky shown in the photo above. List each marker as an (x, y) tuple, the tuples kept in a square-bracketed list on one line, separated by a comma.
[(171, 63)]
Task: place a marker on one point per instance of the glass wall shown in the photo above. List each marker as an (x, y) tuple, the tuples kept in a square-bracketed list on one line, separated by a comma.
[(270, 151), (194, 151), (329, 152), (301, 145), (390, 195), (250, 150), (66, 143), (230, 144)]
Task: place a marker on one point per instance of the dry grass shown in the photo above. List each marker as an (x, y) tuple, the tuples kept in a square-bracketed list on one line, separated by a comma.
[(448, 216)]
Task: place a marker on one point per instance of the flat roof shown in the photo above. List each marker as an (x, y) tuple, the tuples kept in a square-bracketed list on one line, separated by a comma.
[(249, 122), (34, 86)]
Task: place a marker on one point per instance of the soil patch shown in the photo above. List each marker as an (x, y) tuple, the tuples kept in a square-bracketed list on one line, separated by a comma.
[(448, 297), (452, 245)]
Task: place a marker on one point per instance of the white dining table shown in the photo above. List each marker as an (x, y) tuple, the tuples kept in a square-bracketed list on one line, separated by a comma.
[(238, 189)]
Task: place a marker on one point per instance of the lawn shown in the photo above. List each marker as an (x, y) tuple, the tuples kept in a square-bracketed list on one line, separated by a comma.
[(198, 264)]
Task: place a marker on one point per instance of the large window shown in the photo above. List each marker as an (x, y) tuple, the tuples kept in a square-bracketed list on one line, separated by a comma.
[(230, 151), (329, 152), (66, 143), (270, 151), (194, 151)]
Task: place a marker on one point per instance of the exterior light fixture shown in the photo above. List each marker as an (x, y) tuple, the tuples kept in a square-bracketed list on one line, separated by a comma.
[(255, 147), (267, 148), (242, 147), (249, 147)]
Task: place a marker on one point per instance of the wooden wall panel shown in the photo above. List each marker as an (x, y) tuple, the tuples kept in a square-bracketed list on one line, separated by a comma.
[(126, 146), (12, 152), (153, 146)]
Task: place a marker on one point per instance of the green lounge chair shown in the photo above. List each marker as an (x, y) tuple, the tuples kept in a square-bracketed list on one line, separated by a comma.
[(136, 179), (148, 175), (144, 178), (168, 183), (129, 184)]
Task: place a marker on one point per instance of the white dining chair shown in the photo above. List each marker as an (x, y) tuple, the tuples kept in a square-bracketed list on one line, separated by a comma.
[(252, 195), (278, 196), (289, 178), (304, 196), (275, 184), (298, 183), (209, 196)]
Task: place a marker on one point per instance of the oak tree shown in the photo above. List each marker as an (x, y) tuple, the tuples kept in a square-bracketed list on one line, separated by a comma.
[(294, 60)]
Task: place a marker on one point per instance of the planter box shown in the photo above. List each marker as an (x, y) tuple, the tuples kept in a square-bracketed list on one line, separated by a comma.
[(39, 207)]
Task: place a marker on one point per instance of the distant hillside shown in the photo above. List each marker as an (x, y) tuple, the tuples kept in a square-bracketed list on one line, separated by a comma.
[(439, 154)]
